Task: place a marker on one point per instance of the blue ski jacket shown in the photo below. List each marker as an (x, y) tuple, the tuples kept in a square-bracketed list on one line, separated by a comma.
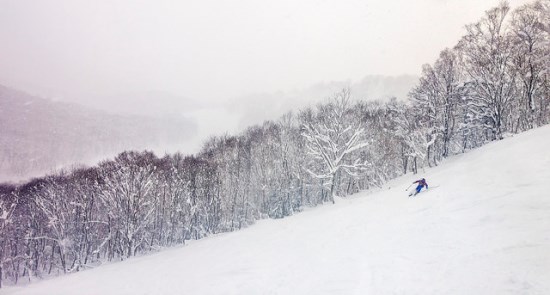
[(422, 182)]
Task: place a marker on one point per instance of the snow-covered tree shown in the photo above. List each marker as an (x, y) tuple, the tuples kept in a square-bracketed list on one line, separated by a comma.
[(332, 136), (128, 189), (487, 52), (9, 199), (437, 98), (532, 49)]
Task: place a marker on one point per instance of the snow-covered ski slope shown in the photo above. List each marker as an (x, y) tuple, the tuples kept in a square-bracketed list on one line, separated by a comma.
[(484, 230)]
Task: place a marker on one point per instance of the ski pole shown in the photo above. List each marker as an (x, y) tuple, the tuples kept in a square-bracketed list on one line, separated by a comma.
[(409, 187)]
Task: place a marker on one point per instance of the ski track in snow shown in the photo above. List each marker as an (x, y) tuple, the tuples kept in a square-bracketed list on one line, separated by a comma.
[(484, 230)]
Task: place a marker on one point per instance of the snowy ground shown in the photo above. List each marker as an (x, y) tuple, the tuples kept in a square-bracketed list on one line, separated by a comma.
[(484, 230)]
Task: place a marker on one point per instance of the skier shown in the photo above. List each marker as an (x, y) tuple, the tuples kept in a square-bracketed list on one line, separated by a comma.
[(421, 183)]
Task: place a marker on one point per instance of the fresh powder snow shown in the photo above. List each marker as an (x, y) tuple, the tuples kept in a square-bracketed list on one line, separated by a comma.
[(483, 227)]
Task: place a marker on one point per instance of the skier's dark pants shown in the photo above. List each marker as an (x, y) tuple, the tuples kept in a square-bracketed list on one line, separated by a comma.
[(418, 188)]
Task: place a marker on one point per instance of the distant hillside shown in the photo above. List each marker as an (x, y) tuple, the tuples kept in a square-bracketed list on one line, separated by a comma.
[(38, 135), (147, 103)]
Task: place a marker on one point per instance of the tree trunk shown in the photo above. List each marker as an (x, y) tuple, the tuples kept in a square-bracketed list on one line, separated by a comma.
[(332, 185)]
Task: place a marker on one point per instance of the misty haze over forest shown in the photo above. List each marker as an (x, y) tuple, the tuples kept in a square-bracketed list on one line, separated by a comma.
[(33, 128), (198, 64)]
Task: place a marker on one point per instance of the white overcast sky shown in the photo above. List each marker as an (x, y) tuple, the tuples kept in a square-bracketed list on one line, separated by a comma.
[(215, 50)]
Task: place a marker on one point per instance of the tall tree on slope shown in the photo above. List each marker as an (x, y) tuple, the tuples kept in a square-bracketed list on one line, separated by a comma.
[(532, 47), (331, 138), (436, 98), (487, 52)]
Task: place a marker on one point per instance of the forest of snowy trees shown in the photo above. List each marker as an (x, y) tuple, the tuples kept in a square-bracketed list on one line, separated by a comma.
[(493, 83)]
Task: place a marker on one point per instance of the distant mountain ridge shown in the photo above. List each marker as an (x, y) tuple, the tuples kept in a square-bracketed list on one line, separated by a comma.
[(38, 135)]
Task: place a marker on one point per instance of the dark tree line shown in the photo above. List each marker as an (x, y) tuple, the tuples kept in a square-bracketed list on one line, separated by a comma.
[(493, 83), (138, 202)]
